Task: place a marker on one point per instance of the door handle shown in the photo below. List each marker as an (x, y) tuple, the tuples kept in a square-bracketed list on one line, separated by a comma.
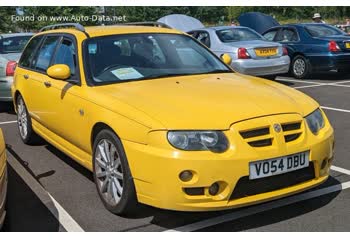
[(47, 84), (25, 76)]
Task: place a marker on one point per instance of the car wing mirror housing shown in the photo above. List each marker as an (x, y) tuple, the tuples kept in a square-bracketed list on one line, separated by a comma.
[(59, 71), (226, 58)]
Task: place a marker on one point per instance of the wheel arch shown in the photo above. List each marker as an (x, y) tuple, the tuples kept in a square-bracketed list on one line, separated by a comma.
[(98, 127)]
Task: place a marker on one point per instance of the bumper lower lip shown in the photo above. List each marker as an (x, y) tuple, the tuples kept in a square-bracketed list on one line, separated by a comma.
[(5, 89)]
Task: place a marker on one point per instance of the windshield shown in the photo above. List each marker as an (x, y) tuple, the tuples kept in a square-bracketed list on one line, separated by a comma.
[(131, 57), (238, 34), (13, 44), (323, 30)]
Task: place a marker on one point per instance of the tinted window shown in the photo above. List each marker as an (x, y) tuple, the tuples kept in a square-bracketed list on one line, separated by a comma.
[(238, 34), (323, 30), (66, 54), (13, 44), (287, 35), (45, 53), (29, 52), (145, 56), (270, 35)]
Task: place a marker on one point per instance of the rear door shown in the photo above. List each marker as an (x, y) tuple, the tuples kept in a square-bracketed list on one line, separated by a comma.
[(289, 38)]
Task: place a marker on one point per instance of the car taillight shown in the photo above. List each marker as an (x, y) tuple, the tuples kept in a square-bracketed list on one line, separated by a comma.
[(243, 53), (333, 46), (10, 68), (285, 51)]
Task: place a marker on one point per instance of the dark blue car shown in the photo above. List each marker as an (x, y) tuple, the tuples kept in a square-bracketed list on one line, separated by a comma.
[(312, 47)]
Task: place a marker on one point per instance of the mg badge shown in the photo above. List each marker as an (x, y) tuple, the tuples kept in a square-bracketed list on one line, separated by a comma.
[(277, 127)]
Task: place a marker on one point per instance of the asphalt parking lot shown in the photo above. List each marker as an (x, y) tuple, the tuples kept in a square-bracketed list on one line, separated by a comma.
[(50, 192)]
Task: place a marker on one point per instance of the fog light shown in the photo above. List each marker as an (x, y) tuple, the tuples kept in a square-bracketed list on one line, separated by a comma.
[(186, 176), (214, 189)]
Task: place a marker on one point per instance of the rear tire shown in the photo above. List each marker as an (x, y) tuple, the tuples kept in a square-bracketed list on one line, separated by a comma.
[(24, 123), (112, 175), (300, 67)]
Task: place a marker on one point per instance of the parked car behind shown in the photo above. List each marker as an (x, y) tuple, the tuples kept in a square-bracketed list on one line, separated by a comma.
[(313, 47), (3, 179), (11, 46), (251, 54)]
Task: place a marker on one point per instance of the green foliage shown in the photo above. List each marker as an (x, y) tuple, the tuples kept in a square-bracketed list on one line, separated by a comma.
[(206, 14)]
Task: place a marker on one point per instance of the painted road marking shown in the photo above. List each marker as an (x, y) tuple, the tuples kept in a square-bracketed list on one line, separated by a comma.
[(55, 208), (336, 109), (2, 123), (341, 170), (309, 86), (260, 208)]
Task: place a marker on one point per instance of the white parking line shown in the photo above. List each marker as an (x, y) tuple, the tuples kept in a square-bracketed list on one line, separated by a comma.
[(341, 170), (336, 109), (2, 123), (309, 86), (260, 208), (53, 206)]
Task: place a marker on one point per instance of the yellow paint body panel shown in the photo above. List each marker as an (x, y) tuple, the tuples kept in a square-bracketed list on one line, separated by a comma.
[(141, 113)]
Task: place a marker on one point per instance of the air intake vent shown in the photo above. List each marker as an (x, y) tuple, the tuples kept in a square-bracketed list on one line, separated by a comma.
[(291, 126), (255, 132)]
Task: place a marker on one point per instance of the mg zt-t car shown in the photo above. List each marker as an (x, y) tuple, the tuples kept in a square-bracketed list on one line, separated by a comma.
[(161, 120)]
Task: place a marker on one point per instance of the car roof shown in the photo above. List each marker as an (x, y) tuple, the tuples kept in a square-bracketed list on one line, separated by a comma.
[(216, 28), (8, 35), (96, 31)]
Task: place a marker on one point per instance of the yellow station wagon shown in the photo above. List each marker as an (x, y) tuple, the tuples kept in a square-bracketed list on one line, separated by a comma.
[(160, 120)]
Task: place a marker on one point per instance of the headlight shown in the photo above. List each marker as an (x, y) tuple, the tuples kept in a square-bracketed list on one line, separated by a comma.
[(315, 121), (214, 141)]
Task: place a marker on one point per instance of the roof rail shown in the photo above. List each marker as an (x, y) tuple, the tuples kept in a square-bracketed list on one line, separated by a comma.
[(77, 26), (149, 24)]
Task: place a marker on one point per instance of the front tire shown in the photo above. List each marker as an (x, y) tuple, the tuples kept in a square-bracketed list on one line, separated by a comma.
[(24, 123), (300, 67), (112, 175)]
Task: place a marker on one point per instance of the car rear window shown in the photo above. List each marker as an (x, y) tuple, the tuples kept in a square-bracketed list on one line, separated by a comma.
[(323, 30), (238, 34), (13, 44)]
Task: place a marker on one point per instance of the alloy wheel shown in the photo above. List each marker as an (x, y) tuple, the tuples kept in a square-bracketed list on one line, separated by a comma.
[(299, 67), (109, 172), (22, 118)]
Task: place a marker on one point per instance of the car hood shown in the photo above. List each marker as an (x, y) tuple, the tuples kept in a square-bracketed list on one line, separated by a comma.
[(212, 101), (181, 22), (260, 22)]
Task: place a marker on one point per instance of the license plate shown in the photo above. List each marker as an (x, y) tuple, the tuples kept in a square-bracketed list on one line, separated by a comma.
[(275, 166), (265, 52), (347, 44)]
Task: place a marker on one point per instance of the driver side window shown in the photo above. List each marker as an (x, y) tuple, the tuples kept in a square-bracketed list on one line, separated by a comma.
[(66, 54)]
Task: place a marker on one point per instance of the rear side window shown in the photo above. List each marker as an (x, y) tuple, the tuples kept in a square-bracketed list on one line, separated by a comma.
[(45, 53), (66, 54), (29, 52), (270, 35), (288, 35)]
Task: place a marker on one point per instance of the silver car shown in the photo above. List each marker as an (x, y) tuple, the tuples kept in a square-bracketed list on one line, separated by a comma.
[(11, 46), (251, 54)]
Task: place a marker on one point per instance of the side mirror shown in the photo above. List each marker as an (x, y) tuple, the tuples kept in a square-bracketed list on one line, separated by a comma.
[(59, 71), (226, 58)]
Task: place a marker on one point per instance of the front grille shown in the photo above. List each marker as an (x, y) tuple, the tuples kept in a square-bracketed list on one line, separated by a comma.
[(291, 137), (291, 126), (261, 143), (246, 187), (255, 132)]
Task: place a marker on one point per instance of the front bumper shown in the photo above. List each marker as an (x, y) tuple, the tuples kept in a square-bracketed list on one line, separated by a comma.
[(156, 168), (262, 67), (3, 194), (5, 89)]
